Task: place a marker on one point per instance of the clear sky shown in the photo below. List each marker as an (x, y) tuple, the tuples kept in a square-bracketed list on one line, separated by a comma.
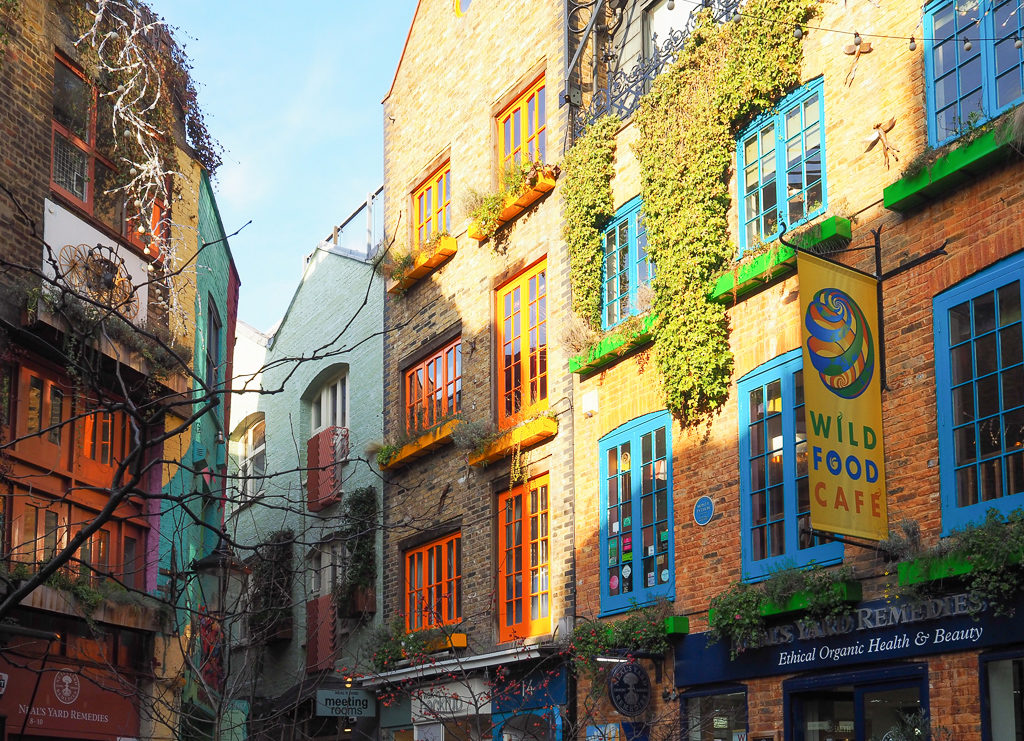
[(292, 91)]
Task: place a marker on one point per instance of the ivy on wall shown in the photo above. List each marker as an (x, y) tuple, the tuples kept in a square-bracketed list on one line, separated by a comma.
[(688, 123), (588, 205)]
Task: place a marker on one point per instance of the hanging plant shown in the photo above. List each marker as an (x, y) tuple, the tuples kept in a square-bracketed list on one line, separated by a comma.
[(688, 124), (588, 205)]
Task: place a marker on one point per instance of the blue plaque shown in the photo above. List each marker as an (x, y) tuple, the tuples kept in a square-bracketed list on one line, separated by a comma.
[(703, 510)]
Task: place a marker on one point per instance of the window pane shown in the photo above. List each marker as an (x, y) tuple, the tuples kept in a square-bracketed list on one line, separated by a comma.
[(70, 167), (72, 99)]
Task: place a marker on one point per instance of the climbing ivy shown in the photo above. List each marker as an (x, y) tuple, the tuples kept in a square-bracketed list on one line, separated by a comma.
[(588, 205), (688, 123)]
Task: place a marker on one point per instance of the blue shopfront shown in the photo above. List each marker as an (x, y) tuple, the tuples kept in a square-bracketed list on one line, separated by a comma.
[(529, 706), (861, 677)]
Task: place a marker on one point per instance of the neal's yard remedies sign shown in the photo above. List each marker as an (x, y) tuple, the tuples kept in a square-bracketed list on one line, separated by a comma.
[(873, 631), (843, 399)]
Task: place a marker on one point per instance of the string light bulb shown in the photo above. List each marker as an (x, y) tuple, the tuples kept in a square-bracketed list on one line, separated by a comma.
[(856, 39), (1017, 43), (912, 45), (736, 15), (671, 5), (798, 33), (967, 44)]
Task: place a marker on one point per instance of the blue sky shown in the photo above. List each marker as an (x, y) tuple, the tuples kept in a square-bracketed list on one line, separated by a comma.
[(292, 91)]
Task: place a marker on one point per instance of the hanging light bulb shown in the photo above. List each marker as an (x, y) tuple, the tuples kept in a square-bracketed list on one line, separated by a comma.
[(913, 44), (856, 39), (1017, 42), (671, 5), (798, 33), (736, 15), (967, 44)]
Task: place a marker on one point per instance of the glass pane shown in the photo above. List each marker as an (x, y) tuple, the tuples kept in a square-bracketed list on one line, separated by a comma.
[(984, 313), (1009, 303), (71, 101)]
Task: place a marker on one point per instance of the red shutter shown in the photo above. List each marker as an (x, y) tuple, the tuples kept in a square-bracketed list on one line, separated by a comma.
[(322, 485), (320, 627)]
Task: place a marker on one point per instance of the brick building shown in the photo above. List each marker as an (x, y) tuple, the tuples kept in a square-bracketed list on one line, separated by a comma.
[(737, 490), (478, 539), (98, 341)]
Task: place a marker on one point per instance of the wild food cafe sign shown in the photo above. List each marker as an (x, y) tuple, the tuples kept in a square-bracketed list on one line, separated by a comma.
[(874, 631), (843, 399)]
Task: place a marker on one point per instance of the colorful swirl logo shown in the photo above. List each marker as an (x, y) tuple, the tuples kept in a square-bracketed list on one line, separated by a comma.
[(840, 343)]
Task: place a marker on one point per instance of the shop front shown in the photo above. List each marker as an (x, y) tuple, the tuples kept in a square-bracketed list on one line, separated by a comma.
[(856, 678)]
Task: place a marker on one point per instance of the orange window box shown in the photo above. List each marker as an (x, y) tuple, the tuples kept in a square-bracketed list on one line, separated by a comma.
[(514, 205), (475, 231), (425, 263), (422, 445), (524, 436), (445, 642)]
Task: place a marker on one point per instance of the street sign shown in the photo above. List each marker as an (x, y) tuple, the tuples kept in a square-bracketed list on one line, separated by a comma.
[(346, 703)]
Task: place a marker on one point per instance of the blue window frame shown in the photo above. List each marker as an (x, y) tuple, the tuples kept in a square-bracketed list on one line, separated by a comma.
[(979, 381), (625, 264), (636, 513), (780, 159), (775, 498), (967, 86)]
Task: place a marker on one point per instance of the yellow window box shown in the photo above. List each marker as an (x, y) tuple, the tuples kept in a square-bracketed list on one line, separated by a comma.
[(443, 642), (432, 438), (524, 436), (425, 263)]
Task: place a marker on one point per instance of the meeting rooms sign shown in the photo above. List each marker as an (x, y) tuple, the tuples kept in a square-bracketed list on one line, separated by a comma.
[(345, 703), (873, 631)]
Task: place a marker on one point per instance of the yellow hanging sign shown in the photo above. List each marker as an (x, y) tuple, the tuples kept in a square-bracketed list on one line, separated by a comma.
[(843, 399)]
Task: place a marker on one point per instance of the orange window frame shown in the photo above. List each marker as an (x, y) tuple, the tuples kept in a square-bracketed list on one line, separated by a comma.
[(433, 388), (432, 205), (522, 128), (50, 411), (524, 561), (522, 345), (104, 435), (433, 583)]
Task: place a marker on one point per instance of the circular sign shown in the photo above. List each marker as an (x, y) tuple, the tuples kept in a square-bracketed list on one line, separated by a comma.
[(66, 687), (703, 511), (629, 688)]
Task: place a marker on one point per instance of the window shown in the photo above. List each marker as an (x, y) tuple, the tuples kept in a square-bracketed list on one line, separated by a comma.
[(775, 499), (626, 266), (657, 26), (523, 343), (330, 406), (131, 573), (433, 388), (104, 436), (433, 583), (44, 408), (715, 714), (1002, 682), (213, 340), (327, 565), (95, 555), (432, 205), (780, 159), (253, 466), (82, 166), (979, 379), (967, 86), (522, 129), (523, 567), (40, 535), (636, 513)]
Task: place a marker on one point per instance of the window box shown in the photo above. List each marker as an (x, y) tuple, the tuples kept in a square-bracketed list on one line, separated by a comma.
[(850, 591), (924, 570), (433, 438), (613, 347), (946, 173), (515, 204), (524, 436), (475, 231), (425, 263), (779, 261), (677, 625), (445, 643), (361, 601)]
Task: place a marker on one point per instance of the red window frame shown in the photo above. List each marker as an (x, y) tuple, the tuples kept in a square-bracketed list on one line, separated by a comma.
[(433, 583), (151, 240), (524, 561), (104, 436), (518, 143), (432, 205), (433, 388), (522, 317)]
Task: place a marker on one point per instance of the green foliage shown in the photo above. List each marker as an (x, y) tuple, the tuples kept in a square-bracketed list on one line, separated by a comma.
[(392, 644), (485, 208), (271, 579), (588, 205), (386, 453), (737, 614), (688, 124), (642, 631), (358, 532), (995, 550)]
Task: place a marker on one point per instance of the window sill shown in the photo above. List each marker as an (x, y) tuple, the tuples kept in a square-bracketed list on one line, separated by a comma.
[(959, 165), (422, 445), (778, 261), (850, 591), (424, 264), (512, 206), (524, 436), (613, 347)]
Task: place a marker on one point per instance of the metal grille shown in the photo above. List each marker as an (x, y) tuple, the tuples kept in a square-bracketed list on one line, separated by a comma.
[(70, 166)]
